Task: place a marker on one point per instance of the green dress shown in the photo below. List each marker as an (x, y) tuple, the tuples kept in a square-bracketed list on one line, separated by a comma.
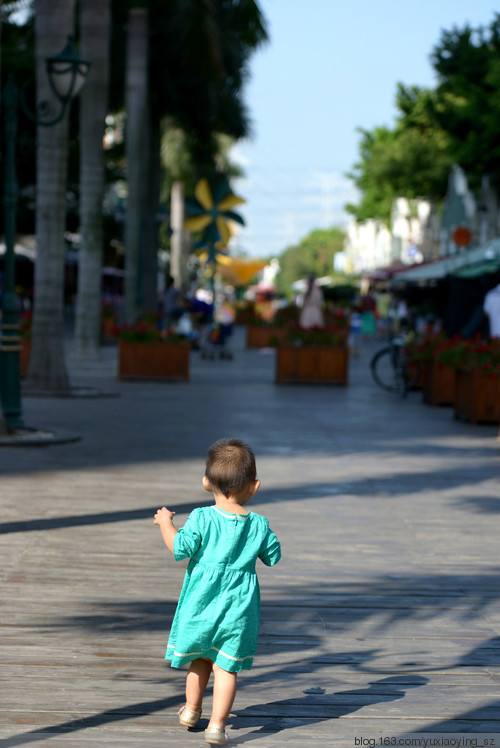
[(217, 615)]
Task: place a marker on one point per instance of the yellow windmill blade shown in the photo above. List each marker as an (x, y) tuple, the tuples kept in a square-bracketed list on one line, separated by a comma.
[(231, 201), (223, 230), (197, 223), (203, 194), (229, 276), (224, 260), (246, 269), (241, 268)]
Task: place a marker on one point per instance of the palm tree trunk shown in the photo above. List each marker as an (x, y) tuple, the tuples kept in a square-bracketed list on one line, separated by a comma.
[(179, 241), (95, 25), (136, 106), (54, 20), (3, 427), (149, 244)]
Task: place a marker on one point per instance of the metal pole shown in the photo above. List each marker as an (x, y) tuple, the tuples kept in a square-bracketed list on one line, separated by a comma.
[(10, 341)]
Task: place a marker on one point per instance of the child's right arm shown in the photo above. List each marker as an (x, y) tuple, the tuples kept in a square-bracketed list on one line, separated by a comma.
[(163, 518)]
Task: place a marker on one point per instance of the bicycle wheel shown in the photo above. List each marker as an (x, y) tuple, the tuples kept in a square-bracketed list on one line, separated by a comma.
[(387, 372)]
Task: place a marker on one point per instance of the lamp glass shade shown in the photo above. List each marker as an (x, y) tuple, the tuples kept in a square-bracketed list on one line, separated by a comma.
[(67, 71), (67, 78)]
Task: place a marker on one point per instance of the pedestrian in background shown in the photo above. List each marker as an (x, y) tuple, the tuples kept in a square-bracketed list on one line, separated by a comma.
[(311, 313), (491, 308), (355, 327), (171, 307), (368, 306), (383, 306)]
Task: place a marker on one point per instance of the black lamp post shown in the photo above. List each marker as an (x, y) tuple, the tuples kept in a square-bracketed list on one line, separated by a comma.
[(67, 73)]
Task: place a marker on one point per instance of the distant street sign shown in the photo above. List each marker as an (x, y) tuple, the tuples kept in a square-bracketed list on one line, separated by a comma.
[(462, 236)]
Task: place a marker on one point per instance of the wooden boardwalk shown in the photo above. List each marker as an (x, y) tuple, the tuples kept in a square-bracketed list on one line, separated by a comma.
[(382, 619)]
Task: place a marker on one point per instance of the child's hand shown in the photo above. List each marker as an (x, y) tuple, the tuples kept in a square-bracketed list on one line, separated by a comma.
[(163, 515)]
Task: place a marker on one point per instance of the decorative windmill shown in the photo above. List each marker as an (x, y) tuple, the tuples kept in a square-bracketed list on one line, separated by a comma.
[(211, 212)]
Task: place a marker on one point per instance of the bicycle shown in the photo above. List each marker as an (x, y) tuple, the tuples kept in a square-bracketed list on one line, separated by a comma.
[(392, 367)]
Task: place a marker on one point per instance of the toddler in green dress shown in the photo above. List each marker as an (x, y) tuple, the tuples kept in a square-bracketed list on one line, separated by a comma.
[(216, 624)]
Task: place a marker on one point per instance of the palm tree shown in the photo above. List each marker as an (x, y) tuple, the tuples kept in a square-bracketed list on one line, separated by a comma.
[(95, 28), (54, 20), (208, 45), (179, 172), (180, 177), (136, 147)]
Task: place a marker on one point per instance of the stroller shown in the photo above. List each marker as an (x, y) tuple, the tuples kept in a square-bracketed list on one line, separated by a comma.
[(220, 336), (222, 330)]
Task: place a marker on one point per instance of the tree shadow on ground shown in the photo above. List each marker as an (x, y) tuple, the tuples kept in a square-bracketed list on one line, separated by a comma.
[(327, 601), (313, 708), (378, 486), (482, 719), (338, 605), (82, 520), (487, 653), (368, 487), (479, 504), (108, 716)]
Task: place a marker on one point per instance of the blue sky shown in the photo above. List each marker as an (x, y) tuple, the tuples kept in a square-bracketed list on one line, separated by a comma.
[(330, 66)]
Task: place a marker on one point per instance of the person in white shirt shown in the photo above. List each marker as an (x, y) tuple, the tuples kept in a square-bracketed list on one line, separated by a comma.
[(491, 307), (311, 313)]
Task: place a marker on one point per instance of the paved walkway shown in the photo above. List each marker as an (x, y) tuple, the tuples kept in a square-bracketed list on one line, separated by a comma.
[(382, 619)]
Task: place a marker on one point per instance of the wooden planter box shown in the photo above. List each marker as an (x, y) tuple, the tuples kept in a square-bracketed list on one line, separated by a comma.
[(477, 396), (438, 384), (308, 364), (153, 360), (261, 336)]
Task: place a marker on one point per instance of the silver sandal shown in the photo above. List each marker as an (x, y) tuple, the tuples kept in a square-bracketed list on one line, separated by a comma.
[(214, 736), (187, 717)]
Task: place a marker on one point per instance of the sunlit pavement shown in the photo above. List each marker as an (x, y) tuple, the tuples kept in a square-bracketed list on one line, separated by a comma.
[(382, 619)]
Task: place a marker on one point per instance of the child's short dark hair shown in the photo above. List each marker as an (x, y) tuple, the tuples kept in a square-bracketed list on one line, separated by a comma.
[(230, 466)]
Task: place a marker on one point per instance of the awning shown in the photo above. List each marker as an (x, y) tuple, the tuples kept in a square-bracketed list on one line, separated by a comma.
[(488, 267), (238, 271), (468, 264), (386, 272)]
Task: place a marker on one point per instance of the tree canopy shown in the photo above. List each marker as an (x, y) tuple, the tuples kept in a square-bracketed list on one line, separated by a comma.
[(457, 122), (313, 254), (410, 160), (467, 62), (199, 55)]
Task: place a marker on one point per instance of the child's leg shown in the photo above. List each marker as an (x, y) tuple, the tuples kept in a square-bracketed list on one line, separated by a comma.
[(196, 683), (224, 693)]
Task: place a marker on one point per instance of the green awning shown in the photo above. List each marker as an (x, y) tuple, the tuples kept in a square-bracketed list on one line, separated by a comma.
[(478, 269)]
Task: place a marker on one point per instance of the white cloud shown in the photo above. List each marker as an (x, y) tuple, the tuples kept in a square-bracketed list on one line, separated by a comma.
[(284, 205)]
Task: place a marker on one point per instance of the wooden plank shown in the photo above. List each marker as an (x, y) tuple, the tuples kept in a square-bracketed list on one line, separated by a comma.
[(383, 616)]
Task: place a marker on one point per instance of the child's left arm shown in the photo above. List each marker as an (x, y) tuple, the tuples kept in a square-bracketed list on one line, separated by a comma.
[(163, 518), (270, 551)]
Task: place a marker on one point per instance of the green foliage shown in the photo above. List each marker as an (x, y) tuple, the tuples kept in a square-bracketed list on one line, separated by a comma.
[(146, 330), (200, 53), (198, 64), (18, 60), (467, 62), (12, 9), (455, 123), (179, 164), (411, 160), (459, 353), (342, 293), (314, 254)]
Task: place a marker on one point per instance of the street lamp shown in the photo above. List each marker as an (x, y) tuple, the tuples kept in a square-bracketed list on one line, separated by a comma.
[(67, 73)]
